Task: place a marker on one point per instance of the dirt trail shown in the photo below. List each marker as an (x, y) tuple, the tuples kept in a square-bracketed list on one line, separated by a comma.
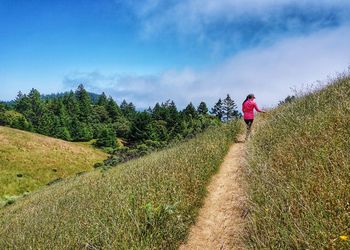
[(220, 220)]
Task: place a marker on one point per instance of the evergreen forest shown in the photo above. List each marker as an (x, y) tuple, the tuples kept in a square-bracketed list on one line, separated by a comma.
[(81, 116)]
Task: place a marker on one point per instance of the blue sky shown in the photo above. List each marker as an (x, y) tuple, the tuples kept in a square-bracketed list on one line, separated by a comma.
[(152, 50)]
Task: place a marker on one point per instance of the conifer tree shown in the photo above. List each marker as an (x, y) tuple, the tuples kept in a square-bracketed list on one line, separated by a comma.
[(36, 108), (139, 127), (45, 124), (71, 105), (157, 112), (102, 100), (85, 104), (172, 117), (217, 110), (22, 103), (128, 110), (113, 109), (229, 108), (202, 108), (100, 114), (190, 111)]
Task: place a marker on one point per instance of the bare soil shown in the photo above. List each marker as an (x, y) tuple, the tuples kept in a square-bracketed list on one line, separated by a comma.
[(220, 222)]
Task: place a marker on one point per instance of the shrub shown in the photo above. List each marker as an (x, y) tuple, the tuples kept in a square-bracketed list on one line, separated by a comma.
[(107, 138), (14, 119)]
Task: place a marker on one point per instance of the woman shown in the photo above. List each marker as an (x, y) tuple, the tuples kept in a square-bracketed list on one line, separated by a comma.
[(248, 107)]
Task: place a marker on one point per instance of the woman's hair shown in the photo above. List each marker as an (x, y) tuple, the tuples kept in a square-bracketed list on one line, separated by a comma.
[(250, 96)]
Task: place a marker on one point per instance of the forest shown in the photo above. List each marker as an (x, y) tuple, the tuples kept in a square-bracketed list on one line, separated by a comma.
[(81, 116)]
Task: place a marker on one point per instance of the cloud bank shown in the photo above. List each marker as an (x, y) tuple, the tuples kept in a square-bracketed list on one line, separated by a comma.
[(269, 72), (229, 25)]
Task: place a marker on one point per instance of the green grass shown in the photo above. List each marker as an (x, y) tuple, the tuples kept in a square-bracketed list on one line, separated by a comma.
[(147, 203), (299, 173), (29, 161)]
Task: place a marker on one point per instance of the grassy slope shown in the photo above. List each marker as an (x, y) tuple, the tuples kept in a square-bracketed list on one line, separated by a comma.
[(299, 174), (146, 203), (39, 159)]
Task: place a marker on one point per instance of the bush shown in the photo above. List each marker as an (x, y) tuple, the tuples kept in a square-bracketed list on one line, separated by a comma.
[(112, 161), (14, 119), (143, 149), (107, 138), (155, 144)]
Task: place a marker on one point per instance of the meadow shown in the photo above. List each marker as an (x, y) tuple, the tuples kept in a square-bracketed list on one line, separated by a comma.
[(298, 172), (29, 161), (147, 203)]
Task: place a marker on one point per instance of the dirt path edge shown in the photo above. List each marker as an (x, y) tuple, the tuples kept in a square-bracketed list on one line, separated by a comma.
[(220, 222)]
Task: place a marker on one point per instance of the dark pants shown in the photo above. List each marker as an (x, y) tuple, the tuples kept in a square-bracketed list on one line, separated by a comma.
[(249, 123)]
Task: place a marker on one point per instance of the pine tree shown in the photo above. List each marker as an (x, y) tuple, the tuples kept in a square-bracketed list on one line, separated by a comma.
[(22, 103), (157, 112), (202, 108), (85, 104), (190, 111), (217, 110), (100, 114), (140, 125), (36, 110), (229, 108), (113, 109), (102, 100), (71, 105), (46, 124), (128, 110), (172, 116)]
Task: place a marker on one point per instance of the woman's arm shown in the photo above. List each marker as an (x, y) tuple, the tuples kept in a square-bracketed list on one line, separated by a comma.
[(257, 109)]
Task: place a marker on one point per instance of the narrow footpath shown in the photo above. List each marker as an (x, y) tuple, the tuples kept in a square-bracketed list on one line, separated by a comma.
[(220, 222)]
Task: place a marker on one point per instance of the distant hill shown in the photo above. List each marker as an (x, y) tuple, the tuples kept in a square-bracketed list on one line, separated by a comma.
[(29, 161)]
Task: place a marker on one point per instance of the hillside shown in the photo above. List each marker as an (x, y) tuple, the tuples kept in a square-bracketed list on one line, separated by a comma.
[(298, 170), (29, 161), (147, 203)]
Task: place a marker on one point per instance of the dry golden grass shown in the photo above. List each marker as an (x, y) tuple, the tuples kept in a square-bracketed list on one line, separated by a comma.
[(147, 203), (29, 161), (299, 173)]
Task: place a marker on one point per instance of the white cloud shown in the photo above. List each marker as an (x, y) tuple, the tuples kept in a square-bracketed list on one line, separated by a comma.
[(269, 72), (192, 16)]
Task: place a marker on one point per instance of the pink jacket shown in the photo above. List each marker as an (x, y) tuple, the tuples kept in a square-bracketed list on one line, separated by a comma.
[(248, 109)]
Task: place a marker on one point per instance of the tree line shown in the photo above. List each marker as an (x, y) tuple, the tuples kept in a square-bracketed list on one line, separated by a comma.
[(75, 116)]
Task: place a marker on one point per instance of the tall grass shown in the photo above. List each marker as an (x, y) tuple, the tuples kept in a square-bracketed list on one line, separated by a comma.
[(148, 203), (299, 173)]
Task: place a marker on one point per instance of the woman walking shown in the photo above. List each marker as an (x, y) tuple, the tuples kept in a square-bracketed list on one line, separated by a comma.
[(248, 107)]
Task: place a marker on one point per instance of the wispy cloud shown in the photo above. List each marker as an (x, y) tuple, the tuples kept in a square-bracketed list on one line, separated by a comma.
[(240, 22), (269, 72)]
